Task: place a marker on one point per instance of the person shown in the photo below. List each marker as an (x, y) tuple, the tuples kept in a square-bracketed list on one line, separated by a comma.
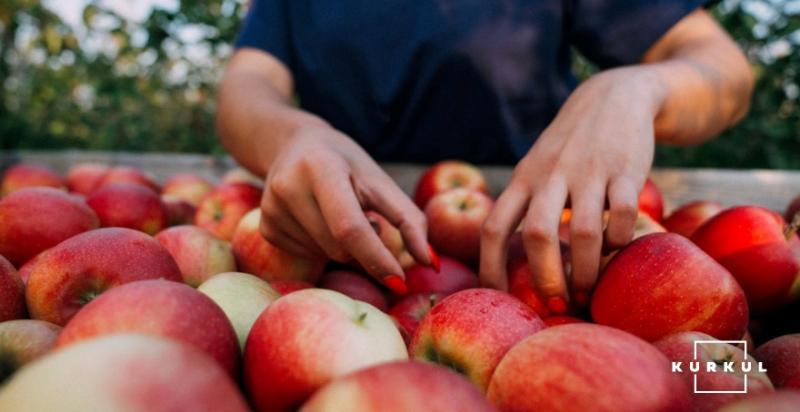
[(318, 91)]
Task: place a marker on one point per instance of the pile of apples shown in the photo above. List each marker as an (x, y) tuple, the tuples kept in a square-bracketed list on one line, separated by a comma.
[(119, 293)]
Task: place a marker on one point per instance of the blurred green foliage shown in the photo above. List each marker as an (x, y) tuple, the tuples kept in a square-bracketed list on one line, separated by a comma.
[(111, 83)]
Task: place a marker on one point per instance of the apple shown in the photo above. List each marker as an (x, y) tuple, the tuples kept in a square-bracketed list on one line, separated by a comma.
[(651, 201), (162, 308), (129, 205), (12, 292), (391, 238), (455, 218), (662, 284), (286, 286), (198, 253), (446, 175), (355, 285), (220, 211), (188, 187), (241, 175), (399, 387), (686, 219), (780, 401), (792, 209), (179, 212), (585, 367), (470, 331), (306, 339), (749, 241), (520, 276), (257, 256), (681, 347), (451, 277), (123, 372), (83, 178), (23, 175), (561, 320), (781, 357), (125, 174), (23, 341), (410, 310), (242, 297), (37, 218), (66, 277)]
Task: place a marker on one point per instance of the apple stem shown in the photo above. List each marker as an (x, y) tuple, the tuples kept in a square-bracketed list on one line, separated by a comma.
[(792, 227)]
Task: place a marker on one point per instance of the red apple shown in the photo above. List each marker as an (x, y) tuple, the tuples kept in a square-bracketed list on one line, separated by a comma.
[(129, 205), (198, 253), (255, 255), (681, 347), (355, 285), (123, 373), (651, 201), (220, 211), (470, 331), (452, 277), (287, 286), (83, 178), (585, 367), (561, 320), (162, 308), (780, 401), (781, 357), (455, 218), (749, 242), (446, 175), (662, 284), (188, 187), (391, 238), (66, 277), (410, 311), (23, 175), (125, 174), (37, 218), (240, 175), (179, 212), (12, 292), (306, 339), (399, 387), (23, 341), (686, 219)]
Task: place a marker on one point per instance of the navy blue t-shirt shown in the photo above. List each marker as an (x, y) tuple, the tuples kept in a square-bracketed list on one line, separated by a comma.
[(420, 81)]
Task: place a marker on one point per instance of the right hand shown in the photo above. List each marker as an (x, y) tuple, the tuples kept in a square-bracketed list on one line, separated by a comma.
[(316, 191)]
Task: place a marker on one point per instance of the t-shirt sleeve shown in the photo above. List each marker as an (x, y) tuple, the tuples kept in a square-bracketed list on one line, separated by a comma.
[(619, 32), (266, 28)]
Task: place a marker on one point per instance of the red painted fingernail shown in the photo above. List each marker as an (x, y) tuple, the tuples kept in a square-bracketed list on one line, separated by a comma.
[(396, 284), (557, 305), (581, 298), (436, 263)]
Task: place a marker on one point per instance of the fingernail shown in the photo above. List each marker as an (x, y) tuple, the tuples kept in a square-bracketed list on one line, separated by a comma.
[(581, 298), (436, 263), (557, 305), (396, 284)]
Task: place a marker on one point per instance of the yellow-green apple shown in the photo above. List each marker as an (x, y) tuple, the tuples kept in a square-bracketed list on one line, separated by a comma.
[(446, 175), (129, 205), (37, 218), (399, 387), (124, 372), (65, 277), (83, 178), (391, 238), (24, 175), (750, 242), (179, 212), (687, 218), (187, 186), (286, 286), (355, 285), (242, 297), (410, 310), (781, 357), (125, 174), (241, 175), (559, 320), (220, 211), (470, 331), (198, 253), (662, 284), (455, 218), (651, 201), (731, 369), (780, 401), (451, 277), (23, 341), (307, 338), (257, 256), (12, 292), (586, 367), (161, 308)]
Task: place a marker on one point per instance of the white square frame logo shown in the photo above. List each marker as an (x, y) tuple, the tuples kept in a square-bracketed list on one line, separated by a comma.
[(732, 342)]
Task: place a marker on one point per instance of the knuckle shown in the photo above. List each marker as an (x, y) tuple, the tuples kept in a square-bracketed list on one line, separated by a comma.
[(583, 232), (536, 233), (281, 186), (491, 229), (625, 210), (347, 232)]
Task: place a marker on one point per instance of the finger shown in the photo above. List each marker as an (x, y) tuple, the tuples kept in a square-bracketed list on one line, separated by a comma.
[(498, 227), (540, 237), (284, 242), (586, 237), (623, 210), (276, 218)]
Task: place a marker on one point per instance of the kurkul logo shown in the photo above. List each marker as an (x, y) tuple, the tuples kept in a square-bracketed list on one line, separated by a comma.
[(724, 365)]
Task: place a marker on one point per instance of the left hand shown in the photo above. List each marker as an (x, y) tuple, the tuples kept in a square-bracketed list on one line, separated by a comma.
[(598, 148)]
